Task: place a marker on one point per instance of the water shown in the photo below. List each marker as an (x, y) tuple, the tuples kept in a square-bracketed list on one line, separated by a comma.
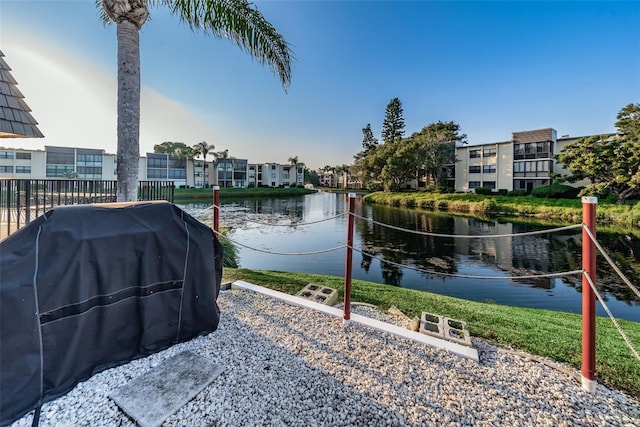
[(501, 257)]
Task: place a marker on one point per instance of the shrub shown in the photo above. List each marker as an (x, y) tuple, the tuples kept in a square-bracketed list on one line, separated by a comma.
[(483, 190), (556, 191), (503, 192), (516, 193)]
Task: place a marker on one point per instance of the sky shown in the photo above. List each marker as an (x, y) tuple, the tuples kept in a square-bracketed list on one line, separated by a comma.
[(492, 67)]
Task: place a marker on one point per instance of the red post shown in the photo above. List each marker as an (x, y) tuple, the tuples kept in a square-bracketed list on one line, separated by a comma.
[(216, 209), (588, 297), (349, 260)]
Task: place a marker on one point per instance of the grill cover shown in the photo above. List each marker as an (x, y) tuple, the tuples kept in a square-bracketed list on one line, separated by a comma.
[(87, 288)]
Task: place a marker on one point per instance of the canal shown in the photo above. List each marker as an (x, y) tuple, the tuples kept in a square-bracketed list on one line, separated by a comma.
[(433, 264)]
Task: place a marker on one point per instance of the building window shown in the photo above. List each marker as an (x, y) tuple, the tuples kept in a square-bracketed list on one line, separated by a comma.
[(89, 172), (6, 169), (474, 154), (6, 154), (474, 169), (61, 156), (89, 160), (474, 184), (489, 152), (273, 167), (157, 161), (23, 169), (177, 174), (59, 171), (23, 156), (273, 176), (489, 169), (489, 184), (157, 173)]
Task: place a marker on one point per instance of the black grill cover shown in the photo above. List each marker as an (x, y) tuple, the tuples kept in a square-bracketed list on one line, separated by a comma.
[(86, 288)]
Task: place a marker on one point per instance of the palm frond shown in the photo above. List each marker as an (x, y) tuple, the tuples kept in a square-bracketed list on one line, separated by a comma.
[(240, 21)]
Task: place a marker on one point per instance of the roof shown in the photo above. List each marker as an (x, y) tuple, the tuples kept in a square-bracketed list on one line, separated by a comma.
[(16, 120)]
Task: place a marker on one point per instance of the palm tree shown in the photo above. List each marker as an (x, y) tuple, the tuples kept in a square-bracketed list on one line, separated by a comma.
[(294, 164), (203, 148), (237, 20)]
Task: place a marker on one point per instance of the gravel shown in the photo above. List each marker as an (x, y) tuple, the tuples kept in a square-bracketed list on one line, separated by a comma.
[(290, 366)]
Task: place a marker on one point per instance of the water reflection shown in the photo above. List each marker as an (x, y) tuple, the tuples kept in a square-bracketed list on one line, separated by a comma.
[(439, 257)]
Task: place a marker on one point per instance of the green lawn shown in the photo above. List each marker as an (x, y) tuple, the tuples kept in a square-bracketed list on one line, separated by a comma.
[(552, 334)]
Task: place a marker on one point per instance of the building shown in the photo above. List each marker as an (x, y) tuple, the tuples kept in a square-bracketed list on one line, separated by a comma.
[(523, 163), (57, 162), (82, 163), (275, 175)]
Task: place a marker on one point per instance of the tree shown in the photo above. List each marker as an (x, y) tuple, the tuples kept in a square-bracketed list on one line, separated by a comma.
[(237, 20), (369, 142), (169, 147), (293, 161), (610, 162), (436, 148), (393, 124)]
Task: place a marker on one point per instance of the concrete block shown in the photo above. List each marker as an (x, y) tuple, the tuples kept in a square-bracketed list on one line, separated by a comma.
[(456, 331), (432, 324), (319, 294)]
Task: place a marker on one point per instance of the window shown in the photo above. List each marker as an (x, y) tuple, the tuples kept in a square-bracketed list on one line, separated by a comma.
[(89, 160), (23, 169), (61, 156), (59, 171), (474, 169), (273, 167), (156, 161), (532, 168), (489, 169), (6, 169), (474, 184), (474, 154), (23, 156), (89, 172), (177, 174), (489, 184), (273, 176), (6, 154), (157, 173), (489, 152)]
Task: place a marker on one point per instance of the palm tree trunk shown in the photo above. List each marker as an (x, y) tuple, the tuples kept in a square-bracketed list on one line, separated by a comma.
[(128, 110)]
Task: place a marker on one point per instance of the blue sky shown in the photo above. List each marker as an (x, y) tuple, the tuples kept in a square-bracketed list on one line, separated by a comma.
[(492, 67)]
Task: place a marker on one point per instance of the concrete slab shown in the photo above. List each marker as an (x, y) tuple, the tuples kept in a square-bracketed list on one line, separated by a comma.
[(154, 396)]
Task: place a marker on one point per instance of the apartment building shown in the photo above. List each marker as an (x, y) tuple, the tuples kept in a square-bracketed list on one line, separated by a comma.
[(57, 162), (523, 163), (82, 163), (275, 175)]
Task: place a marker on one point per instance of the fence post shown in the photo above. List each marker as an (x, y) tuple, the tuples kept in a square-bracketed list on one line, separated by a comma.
[(588, 370), (348, 260), (216, 209)]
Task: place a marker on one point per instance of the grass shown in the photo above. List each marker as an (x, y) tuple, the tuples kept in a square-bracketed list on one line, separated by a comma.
[(207, 193), (558, 210), (552, 334)]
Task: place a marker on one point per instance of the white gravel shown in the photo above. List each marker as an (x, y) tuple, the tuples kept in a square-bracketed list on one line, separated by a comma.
[(289, 366)]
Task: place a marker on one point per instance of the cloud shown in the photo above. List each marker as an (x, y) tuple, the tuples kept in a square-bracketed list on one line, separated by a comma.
[(75, 103)]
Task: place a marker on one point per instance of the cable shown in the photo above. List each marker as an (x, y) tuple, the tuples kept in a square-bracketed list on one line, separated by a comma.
[(610, 261), (466, 276), (266, 251), (468, 236), (613, 319)]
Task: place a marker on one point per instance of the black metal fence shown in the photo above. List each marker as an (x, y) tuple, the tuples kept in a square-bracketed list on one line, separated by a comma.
[(23, 200)]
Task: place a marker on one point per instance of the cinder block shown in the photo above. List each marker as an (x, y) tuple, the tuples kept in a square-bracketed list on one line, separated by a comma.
[(432, 324), (456, 331), (319, 294)]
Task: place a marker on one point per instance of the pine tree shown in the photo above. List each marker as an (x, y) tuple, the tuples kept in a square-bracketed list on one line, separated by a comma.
[(369, 142), (393, 125)]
